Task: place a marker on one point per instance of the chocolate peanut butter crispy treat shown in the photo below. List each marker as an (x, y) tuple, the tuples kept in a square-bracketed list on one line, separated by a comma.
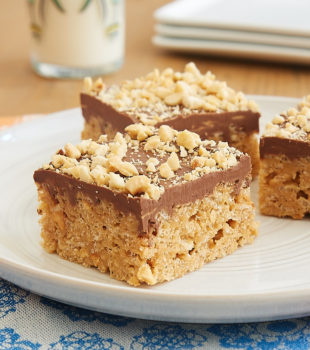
[(148, 206), (284, 177), (188, 100)]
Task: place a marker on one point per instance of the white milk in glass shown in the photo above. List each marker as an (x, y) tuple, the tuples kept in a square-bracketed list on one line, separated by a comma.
[(76, 38)]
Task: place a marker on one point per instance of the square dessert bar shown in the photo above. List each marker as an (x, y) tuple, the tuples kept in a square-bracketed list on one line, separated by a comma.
[(147, 206), (284, 178), (183, 100)]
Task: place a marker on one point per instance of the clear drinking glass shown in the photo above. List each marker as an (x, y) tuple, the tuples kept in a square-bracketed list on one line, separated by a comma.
[(76, 38)]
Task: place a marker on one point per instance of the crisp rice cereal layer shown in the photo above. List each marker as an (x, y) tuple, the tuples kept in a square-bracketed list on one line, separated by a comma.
[(284, 176)]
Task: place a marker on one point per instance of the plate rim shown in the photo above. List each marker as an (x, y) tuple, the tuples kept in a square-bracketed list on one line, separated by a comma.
[(131, 289), (11, 270)]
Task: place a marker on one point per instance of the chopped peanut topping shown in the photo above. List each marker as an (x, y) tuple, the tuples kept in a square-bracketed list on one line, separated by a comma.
[(144, 161), (293, 123), (159, 96)]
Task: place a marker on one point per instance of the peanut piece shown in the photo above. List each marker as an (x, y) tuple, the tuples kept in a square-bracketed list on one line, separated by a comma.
[(116, 181), (192, 68), (220, 158), (278, 119), (307, 127), (152, 143), (192, 102), (151, 168), (103, 138), (151, 164), (188, 177), (138, 131), (100, 176), (301, 120), (183, 152), (198, 162), (162, 92), (173, 161), (137, 184), (125, 168), (173, 99), (118, 149), (72, 151), (165, 171), (87, 84), (83, 146), (166, 133), (154, 192), (188, 139), (101, 150), (81, 172), (292, 112), (57, 160), (98, 85)]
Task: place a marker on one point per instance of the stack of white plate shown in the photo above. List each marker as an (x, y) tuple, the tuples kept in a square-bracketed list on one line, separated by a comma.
[(277, 30)]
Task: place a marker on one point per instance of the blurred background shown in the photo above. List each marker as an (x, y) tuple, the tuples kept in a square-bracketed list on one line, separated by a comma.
[(24, 92)]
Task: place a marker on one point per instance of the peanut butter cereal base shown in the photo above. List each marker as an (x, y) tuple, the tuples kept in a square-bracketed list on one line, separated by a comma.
[(284, 186), (98, 235), (93, 129)]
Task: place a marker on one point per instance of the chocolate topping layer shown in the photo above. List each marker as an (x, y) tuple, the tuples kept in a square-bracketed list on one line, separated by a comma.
[(207, 124), (146, 209), (292, 148), (204, 124), (92, 106)]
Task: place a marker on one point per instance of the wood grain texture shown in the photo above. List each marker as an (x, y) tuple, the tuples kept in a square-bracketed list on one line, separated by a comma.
[(22, 91)]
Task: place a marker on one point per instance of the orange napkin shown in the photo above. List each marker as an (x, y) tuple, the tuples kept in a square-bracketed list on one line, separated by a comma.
[(12, 120)]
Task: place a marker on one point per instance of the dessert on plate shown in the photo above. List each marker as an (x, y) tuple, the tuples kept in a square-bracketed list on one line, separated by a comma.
[(147, 206), (284, 177), (183, 100)]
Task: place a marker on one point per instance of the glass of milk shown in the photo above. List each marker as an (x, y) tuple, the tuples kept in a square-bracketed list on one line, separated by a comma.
[(76, 38)]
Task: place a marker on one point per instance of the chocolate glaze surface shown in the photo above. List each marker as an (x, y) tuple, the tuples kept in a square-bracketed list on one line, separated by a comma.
[(204, 124), (145, 209), (293, 149)]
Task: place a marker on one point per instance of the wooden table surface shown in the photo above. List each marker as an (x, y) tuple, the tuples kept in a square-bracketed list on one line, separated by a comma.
[(23, 92)]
